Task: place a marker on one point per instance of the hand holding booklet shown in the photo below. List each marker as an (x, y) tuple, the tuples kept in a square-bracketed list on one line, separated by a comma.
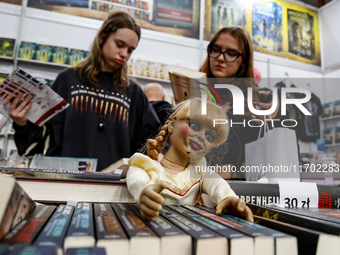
[(45, 102)]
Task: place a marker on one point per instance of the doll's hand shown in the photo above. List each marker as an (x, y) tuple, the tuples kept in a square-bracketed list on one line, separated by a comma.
[(18, 108), (150, 201), (235, 206)]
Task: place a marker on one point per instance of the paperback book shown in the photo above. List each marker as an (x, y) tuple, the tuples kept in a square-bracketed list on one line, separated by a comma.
[(328, 135), (27, 50), (43, 52), (76, 56), (336, 108), (6, 47), (45, 102), (59, 55), (327, 109)]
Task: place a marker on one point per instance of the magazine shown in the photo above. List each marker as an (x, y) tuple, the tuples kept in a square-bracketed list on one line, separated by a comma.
[(45, 102)]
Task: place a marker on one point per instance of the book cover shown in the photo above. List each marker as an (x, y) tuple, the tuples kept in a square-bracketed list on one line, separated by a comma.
[(45, 102), (66, 163), (328, 135), (86, 251), (109, 232), (173, 239), (142, 239), (76, 56), (267, 193), (15, 204), (55, 230), (43, 52), (186, 83), (327, 109), (59, 55), (337, 134), (238, 243), (336, 108), (204, 240), (27, 50), (81, 229), (34, 173), (267, 25), (309, 241), (6, 47), (31, 249), (28, 229)]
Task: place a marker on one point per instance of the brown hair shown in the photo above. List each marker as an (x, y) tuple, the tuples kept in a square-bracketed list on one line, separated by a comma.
[(246, 70), (186, 110), (91, 66)]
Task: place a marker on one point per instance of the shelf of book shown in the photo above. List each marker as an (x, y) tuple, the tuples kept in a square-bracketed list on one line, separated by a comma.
[(331, 118), (42, 62), (148, 78)]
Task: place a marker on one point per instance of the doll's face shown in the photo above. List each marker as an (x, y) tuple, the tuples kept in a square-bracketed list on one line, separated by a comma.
[(192, 139)]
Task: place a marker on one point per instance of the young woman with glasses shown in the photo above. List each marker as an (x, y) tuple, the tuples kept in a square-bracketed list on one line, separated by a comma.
[(230, 56)]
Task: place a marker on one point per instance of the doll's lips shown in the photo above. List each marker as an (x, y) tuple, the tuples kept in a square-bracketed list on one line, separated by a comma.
[(195, 146)]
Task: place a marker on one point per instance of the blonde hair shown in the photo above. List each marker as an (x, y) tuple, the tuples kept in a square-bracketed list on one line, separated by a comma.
[(186, 110), (91, 66)]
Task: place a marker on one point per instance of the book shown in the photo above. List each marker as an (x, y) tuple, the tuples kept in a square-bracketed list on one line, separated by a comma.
[(313, 218), (186, 83), (66, 163), (6, 47), (81, 229), (59, 55), (28, 229), (204, 241), (37, 173), (86, 251), (267, 193), (328, 135), (110, 233), (238, 243), (172, 239), (309, 241), (76, 56), (45, 102), (55, 230), (263, 242), (75, 190), (15, 204), (43, 52), (337, 134), (327, 109), (336, 108), (142, 239), (32, 249), (120, 167), (27, 50)]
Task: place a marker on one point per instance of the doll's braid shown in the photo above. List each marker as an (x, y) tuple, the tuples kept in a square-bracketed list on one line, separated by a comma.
[(156, 145)]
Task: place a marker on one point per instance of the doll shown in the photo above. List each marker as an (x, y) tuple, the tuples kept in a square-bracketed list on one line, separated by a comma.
[(181, 176)]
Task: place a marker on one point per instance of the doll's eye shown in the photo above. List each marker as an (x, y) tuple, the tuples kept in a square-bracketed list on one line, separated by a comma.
[(194, 126), (210, 137)]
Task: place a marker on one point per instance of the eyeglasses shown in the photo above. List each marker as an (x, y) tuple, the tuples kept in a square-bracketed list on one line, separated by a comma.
[(229, 55)]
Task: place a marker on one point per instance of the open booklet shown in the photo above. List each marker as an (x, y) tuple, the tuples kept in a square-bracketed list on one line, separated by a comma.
[(45, 102), (186, 83)]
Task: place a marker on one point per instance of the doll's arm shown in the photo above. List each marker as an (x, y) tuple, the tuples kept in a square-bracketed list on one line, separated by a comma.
[(145, 192), (235, 206)]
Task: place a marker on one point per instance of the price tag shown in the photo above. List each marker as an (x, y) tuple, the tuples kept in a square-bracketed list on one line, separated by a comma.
[(298, 194), (118, 171)]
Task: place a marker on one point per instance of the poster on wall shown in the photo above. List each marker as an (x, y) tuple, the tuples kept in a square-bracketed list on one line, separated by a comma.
[(267, 29), (222, 13), (16, 2), (301, 38), (178, 17)]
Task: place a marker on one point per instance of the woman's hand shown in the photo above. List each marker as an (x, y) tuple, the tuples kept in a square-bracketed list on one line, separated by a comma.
[(235, 206), (18, 108), (150, 200)]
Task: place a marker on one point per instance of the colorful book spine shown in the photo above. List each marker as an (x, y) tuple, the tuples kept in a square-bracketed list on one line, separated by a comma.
[(86, 251), (28, 229), (81, 229), (201, 236), (236, 245), (137, 231), (110, 233), (36, 250), (171, 236), (55, 230)]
